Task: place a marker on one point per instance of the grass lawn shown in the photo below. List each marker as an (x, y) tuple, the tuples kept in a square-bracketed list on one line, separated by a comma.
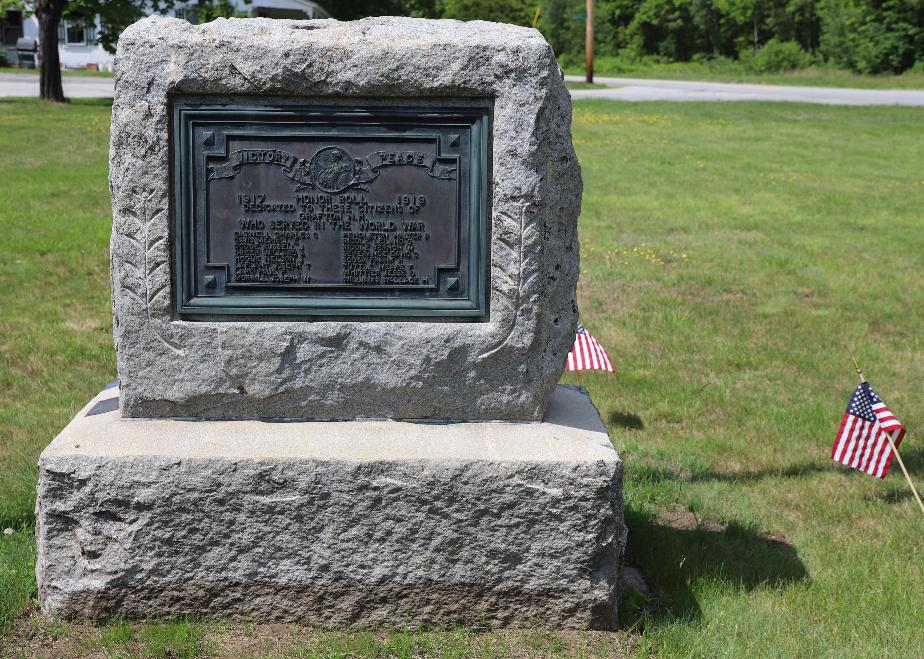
[(585, 85), (64, 72), (728, 71), (734, 257)]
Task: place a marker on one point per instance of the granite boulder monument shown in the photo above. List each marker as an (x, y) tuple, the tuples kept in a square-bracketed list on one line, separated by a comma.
[(344, 262)]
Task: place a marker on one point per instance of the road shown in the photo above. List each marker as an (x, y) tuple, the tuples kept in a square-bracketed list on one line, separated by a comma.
[(620, 89), (634, 89), (26, 84)]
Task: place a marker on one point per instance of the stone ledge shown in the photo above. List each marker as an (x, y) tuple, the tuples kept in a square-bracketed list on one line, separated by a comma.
[(342, 523)]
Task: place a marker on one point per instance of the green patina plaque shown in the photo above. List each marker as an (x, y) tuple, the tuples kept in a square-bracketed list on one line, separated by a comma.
[(285, 211)]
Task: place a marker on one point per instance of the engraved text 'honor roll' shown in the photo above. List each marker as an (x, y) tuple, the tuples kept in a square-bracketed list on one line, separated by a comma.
[(301, 211)]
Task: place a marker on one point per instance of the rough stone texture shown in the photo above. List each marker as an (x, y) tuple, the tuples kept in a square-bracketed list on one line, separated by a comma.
[(505, 368), (362, 522)]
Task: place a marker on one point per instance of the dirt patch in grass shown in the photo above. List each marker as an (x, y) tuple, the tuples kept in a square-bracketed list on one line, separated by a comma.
[(85, 323), (34, 636), (678, 517)]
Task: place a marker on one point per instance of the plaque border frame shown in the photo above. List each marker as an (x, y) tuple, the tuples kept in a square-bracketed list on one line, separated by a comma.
[(474, 307)]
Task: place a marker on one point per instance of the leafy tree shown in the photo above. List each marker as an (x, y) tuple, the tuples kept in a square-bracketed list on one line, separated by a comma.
[(211, 9), (348, 10), (114, 16), (873, 36), (664, 28), (561, 23), (744, 14), (518, 12)]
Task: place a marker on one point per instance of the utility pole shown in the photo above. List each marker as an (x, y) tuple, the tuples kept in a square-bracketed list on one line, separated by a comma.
[(589, 42)]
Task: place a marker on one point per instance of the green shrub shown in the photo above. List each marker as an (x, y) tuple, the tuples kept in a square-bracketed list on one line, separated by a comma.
[(776, 56), (570, 60), (625, 61), (518, 12), (872, 36), (614, 64), (865, 36)]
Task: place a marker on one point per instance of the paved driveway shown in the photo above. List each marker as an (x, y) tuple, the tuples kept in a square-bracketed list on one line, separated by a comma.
[(634, 89), (26, 84)]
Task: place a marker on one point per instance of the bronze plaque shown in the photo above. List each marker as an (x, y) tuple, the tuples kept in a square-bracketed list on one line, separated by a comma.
[(295, 211)]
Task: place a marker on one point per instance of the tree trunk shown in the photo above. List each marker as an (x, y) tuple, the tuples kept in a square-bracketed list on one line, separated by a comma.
[(589, 43), (48, 13)]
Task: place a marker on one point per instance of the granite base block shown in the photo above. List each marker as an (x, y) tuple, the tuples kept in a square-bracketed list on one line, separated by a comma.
[(341, 523)]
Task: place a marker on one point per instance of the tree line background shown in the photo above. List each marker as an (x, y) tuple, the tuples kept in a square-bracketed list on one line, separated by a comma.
[(866, 36)]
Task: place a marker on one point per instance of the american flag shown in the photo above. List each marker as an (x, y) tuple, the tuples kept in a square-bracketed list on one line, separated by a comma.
[(861, 441), (587, 354)]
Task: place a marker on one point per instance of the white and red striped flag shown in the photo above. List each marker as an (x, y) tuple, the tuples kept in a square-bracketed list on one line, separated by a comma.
[(861, 440), (587, 354)]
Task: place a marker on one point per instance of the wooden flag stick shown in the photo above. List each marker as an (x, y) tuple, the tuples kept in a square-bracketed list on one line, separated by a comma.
[(905, 471), (895, 450)]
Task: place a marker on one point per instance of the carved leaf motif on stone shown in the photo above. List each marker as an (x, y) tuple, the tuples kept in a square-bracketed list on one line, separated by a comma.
[(137, 281), (131, 279), (518, 279)]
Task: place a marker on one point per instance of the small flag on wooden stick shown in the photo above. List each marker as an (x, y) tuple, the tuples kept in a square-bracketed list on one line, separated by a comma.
[(869, 436), (861, 440), (587, 354)]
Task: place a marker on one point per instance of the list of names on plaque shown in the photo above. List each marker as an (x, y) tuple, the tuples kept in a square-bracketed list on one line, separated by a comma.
[(324, 217), (330, 211)]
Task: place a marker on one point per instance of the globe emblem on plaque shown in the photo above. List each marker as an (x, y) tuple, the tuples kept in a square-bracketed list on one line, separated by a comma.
[(332, 169)]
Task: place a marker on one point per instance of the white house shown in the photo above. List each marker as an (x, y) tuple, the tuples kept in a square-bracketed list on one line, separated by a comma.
[(77, 42)]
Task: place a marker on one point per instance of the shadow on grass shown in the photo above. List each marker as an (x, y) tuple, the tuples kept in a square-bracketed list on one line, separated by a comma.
[(913, 457), (895, 496), (791, 471), (626, 420), (656, 474), (914, 462), (677, 552)]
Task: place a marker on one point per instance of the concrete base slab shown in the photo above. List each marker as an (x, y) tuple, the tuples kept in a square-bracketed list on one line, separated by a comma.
[(340, 523)]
